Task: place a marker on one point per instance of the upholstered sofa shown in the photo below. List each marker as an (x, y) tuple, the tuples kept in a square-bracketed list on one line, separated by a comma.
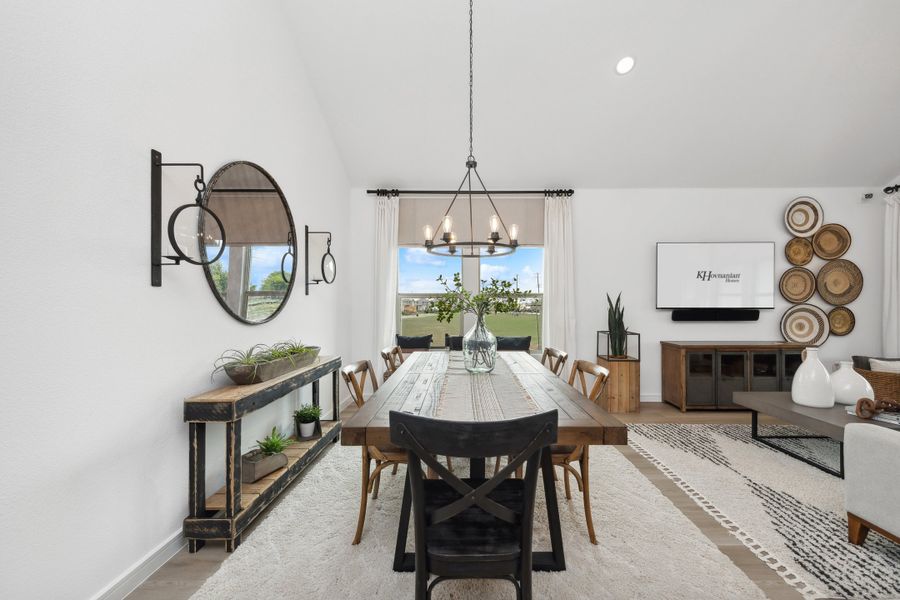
[(872, 481)]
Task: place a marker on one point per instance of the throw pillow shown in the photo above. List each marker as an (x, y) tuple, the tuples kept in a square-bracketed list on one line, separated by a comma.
[(885, 366)]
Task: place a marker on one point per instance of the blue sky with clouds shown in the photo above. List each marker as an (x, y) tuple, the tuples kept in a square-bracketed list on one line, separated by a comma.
[(419, 270)]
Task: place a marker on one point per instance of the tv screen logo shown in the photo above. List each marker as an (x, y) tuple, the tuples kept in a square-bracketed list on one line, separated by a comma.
[(726, 277)]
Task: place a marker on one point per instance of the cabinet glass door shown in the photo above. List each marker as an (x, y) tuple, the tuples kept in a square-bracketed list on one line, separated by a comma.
[(764, 372), (700, 379), (732, 377), (791, 360)]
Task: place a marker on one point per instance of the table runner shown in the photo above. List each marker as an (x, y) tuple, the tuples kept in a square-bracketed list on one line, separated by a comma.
[(494, 396), (439, 386)]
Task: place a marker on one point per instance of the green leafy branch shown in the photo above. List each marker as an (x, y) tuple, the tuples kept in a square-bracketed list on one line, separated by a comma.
[(496, 296)]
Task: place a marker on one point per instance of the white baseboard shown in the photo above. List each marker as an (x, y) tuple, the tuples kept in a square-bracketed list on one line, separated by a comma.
[(137, 573), (651, 397)]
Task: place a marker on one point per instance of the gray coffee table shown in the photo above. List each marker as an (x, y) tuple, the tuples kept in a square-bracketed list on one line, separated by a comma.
[(824, 422)]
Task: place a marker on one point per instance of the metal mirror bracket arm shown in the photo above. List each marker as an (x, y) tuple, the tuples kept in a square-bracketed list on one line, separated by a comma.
[(289, 253), (316, 281), (156, 256)]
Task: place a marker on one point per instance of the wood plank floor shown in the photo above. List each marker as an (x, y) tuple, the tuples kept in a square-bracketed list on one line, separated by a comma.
[(181, 576)]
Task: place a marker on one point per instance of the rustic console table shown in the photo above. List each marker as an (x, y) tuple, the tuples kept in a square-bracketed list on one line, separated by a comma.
[(225, 514)]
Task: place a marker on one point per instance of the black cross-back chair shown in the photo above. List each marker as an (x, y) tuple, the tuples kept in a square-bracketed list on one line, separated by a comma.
[(473, 528)]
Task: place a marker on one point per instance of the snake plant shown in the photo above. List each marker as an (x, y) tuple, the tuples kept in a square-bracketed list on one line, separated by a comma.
[(618, 333)]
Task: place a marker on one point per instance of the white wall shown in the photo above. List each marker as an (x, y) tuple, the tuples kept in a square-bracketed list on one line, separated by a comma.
[(97, 361), (615, 250)]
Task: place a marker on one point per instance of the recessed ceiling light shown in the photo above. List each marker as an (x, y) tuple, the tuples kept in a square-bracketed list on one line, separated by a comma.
[(625, 65)]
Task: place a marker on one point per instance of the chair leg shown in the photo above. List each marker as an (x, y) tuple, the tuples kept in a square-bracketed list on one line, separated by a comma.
[(422, 592), (365, 495), (857, 531), (394, 472), (566, 479), (586, 492), (449, 464), (375, 485)]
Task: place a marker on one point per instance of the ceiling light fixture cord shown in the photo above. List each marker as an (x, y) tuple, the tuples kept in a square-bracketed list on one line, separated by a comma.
[(471, 79)]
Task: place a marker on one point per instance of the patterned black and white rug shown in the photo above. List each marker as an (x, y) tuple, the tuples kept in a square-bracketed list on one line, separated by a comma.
[(788, 513)]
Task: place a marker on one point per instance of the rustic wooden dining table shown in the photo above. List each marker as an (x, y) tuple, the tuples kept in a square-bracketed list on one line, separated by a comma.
[(435, 384)]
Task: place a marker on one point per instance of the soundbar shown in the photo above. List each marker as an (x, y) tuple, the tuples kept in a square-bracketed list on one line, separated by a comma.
[(715, 314)]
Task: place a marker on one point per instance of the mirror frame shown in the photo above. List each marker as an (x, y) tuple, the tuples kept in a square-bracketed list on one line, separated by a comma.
[(210, 188)]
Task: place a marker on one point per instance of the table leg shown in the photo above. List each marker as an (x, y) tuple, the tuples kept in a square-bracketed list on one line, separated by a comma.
[(335, 400), (555, 559), (196, 476), (232, 476), (315, 392)]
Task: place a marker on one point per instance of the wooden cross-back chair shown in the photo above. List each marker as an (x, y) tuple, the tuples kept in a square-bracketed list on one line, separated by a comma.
[(565, 456), (393, 358), (473, 528), (554, 359), (355, 376)]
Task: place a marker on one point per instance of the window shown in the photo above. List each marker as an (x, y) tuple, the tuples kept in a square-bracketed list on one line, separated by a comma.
[(525, 266), (418, 289)]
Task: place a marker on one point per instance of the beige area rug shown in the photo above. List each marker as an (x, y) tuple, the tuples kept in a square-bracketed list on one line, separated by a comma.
[(648, 548)]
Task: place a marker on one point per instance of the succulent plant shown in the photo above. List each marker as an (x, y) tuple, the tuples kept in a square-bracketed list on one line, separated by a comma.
[(274, 443), (618, 333)]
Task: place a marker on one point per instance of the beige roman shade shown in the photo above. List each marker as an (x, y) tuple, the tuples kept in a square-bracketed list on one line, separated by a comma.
[(526, 211), (250, 207)]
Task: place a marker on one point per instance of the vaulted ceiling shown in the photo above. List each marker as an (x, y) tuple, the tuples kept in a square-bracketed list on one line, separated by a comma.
[(759, 93)]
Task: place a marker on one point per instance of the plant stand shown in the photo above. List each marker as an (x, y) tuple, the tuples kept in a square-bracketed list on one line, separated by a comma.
[(622, 393), (225, 514)]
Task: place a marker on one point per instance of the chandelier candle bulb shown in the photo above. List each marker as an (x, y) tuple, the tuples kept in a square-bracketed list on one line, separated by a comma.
[(495, 224), (513, 233), (448, 224), (429, 233)]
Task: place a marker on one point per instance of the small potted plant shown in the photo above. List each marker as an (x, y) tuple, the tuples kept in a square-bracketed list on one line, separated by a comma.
[(266, 458), (306, 419)]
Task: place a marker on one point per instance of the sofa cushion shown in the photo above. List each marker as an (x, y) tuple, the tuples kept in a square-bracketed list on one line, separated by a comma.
[(862, 362), (514, 343), (414, 342), (885, 366)]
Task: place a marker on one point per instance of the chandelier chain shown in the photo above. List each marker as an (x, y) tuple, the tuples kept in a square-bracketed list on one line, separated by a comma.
[(471, 80)]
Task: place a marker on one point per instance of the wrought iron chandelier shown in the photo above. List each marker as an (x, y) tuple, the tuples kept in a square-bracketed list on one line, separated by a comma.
[(449, 244)]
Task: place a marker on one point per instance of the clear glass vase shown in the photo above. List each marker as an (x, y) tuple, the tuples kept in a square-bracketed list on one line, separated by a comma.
[(479, 348)]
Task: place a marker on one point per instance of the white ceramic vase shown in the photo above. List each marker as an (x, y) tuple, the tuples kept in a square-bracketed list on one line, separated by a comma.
[(849, 386), (812, 383)]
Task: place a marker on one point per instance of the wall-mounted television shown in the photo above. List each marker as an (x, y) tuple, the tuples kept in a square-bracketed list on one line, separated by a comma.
[(715, 275)]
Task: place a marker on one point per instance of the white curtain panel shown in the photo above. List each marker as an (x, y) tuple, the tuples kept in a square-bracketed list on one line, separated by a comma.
[(387, 211), (891, 314), (558, 328)]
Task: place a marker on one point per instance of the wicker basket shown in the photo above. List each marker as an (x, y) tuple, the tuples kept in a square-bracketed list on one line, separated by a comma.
[(886, 385)]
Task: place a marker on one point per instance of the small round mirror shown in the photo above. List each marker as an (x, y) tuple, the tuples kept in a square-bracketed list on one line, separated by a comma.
[(253, 278), (329, 267)]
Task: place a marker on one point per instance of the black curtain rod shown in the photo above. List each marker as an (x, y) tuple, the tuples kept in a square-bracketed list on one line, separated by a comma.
[(395, 192)]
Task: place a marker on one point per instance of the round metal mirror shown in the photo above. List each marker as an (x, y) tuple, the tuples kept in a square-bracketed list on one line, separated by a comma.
[(253, 278), (329, 267)]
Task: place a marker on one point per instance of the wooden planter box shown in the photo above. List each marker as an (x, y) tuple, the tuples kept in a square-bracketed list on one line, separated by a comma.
[(255, 465), (247, 374), (622, 393)]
